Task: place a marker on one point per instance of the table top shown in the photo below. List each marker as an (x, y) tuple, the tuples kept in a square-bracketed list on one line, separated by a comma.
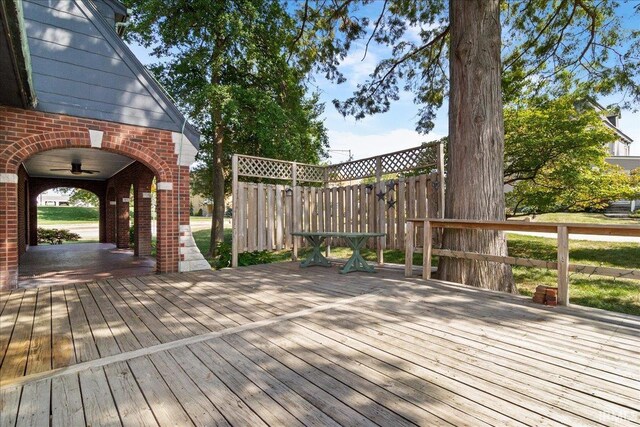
[(336, 234)]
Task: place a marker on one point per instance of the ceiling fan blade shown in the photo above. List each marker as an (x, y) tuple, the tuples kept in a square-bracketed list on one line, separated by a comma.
[(59, 170), (89, 171)]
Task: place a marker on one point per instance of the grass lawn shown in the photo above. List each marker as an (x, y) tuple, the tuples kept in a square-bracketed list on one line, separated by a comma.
[(66, 214), (621, 295), (581, 218)]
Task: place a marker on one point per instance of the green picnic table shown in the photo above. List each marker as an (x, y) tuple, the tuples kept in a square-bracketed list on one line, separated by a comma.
[(355, 240)]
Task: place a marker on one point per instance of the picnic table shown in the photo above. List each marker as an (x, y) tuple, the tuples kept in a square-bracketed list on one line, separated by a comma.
[(355, 240)]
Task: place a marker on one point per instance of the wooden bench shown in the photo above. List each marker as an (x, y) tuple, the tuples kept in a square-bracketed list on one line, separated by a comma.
[(355, 240)]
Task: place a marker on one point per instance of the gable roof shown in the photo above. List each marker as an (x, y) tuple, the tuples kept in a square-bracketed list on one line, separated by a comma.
[(82, 68), (16, 85)]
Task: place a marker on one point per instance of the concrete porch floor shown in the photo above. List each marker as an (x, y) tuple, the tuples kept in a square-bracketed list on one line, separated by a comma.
[(80, 262)]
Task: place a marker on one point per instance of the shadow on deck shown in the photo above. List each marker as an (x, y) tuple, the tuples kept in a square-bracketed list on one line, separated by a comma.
[(277, 345)]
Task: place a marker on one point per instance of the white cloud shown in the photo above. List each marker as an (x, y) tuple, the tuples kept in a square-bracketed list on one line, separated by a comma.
[(363, 145)]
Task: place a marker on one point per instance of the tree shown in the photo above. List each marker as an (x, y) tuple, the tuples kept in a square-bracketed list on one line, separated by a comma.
[(555, 157), (233, 68), (80, 197), (551, 46)]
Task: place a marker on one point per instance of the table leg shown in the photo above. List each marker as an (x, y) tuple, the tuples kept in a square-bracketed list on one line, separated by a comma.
[(356, 262), (316, 257)]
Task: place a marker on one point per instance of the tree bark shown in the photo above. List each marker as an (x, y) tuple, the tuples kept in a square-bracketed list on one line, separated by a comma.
[(217, 158), (475, 188), (217, 226)]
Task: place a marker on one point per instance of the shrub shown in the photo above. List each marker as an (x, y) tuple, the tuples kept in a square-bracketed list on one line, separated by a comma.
[(244, 259), (55, 236)]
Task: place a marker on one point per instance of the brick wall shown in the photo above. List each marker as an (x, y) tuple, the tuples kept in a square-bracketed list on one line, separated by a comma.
[(24, 133)]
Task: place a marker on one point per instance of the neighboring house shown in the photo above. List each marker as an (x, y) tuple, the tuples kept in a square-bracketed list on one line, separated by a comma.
[(201, 206), (77, 109), (620, 154), (50, 198)]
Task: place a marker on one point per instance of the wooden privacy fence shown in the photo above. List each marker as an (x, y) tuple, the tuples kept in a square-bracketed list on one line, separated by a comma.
[(562, 230), (292, 197)]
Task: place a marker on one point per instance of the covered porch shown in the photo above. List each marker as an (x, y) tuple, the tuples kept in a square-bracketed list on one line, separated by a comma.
[(276, 345), (82, 262)]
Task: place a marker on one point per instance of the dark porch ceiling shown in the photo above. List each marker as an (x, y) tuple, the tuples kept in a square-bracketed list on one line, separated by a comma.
[(107, 163)]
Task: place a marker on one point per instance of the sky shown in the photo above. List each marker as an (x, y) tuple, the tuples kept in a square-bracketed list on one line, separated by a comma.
[(395, 130)]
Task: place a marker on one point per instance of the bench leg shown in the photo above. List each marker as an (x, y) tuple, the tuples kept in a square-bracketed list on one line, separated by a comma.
[(316, 257), (356, 262)]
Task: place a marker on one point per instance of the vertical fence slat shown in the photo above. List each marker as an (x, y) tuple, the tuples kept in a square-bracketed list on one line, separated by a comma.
[(313, 206), (279, 217), (321, 209), (390, 212), (242, 217), (270, 217), (252, 215), (362, 209), (347, 208), (262, 224), (288, 223), (401, 205)]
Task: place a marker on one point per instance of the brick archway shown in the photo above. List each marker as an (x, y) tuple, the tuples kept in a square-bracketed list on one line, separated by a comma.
[(37, 186), (15, 154), (27, 132)]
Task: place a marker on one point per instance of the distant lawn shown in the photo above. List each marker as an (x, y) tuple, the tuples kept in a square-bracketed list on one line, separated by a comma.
[(581, 218), (66, 214), (621, 295)]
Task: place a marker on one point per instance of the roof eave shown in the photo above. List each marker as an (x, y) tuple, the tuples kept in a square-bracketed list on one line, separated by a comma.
[(17, 37)]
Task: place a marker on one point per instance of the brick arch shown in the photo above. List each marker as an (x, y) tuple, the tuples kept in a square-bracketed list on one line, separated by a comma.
[(13, 155), (40, 185)]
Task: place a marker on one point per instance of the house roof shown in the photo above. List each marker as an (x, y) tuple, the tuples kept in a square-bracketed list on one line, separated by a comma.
[(16, 85), (82, 68)]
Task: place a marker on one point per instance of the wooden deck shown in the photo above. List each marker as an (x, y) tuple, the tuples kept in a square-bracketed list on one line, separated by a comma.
[(277, 345)]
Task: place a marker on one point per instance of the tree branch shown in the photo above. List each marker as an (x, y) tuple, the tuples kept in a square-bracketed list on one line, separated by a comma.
[(366, 47), (439, 38)]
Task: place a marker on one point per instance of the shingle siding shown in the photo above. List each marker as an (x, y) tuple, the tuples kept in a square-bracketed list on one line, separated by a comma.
[(81, 68)]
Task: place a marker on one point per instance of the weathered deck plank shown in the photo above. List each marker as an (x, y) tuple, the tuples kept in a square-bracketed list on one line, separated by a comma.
[(410, 353)]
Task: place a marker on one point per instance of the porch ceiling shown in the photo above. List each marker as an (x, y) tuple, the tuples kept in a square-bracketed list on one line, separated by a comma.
[(107, 163)]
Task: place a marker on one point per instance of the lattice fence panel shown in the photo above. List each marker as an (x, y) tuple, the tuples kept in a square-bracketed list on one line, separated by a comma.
[(264, 168), (401, 161), (310, 173)]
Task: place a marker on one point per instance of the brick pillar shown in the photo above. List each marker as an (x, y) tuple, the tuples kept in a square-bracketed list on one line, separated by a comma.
[(122, 222), (33, 219), (102, 207), (166, 229), (8, 231), (110, 216), (142, 215)]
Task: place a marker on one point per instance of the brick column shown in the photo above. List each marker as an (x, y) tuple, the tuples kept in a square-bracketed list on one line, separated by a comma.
[(166, 229), (122, 224), (8, 231), (110, 216), (142, 215), (33, 220), (102, 207)]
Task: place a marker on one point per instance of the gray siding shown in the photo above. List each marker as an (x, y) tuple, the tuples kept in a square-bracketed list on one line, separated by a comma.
[(81, 68)]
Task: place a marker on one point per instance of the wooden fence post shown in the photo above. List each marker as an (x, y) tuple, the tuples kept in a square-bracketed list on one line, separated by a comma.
[(563, 265), (294, 209), (382, 211), (426, 251), (441, 188), (409, 241), (234, 211)]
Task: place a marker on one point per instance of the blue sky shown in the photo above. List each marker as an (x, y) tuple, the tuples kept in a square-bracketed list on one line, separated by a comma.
[(395, 130)]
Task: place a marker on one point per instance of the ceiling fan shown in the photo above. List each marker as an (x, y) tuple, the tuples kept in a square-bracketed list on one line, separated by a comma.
[(76, 169)]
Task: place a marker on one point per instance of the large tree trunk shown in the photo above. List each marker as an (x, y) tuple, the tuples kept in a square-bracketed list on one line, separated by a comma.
[(217, 226), (475, 187)]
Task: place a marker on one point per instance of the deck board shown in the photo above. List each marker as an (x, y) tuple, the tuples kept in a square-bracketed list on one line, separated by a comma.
[(277, 345)]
